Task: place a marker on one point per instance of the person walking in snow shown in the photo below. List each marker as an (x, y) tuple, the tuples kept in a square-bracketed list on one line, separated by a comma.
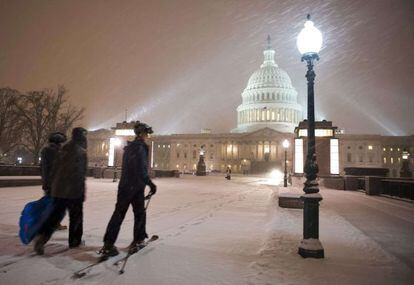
[(134, 178), (68, 191), (47, 160), (228, 173)]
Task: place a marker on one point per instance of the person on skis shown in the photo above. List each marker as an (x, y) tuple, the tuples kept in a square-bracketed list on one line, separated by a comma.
[(131, 190), (47, 160), (68, 191)]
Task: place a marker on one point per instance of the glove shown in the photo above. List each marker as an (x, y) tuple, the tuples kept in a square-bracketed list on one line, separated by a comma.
[(153, 188)]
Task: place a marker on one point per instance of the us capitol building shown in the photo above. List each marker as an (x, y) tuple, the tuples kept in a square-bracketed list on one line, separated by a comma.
[(268, 114)]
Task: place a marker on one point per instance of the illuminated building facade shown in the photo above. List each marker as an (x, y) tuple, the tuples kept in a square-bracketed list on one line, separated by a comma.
[(269, 114), (269, 99)]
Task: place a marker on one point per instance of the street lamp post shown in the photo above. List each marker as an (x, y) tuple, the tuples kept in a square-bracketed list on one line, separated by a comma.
[(309, 43), (285, 146)]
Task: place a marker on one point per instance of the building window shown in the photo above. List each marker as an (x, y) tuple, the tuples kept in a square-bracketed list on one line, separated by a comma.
[(211, 156), (370, 147), (178, 155), (349, 157), (360, 147), (385, 160), (390, 149), (185, 155), (392, 160), (384, 149)]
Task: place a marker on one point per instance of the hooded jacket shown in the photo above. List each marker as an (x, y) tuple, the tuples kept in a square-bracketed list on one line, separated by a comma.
[(70, 172), (135, 165), (48, 156)]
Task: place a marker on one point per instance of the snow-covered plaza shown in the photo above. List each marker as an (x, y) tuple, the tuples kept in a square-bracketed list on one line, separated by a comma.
[(214, 231)]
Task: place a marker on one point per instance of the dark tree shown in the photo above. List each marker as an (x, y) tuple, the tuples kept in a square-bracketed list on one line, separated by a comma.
[(43, 112), (10, 121)]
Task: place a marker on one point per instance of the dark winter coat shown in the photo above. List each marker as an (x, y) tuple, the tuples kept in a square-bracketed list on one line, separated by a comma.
[(135, 165), (48, 156), (70, 172)]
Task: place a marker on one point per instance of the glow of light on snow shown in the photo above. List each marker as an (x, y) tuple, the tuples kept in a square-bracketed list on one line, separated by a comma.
[(275, 177)]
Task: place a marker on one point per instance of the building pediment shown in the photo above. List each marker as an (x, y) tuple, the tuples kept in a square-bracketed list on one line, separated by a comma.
[(265, 133)]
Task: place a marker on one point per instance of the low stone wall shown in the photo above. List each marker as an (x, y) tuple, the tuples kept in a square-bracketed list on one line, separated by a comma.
[(332, 182), (373, 185), (19, 170), (351, 182), (20, 182), (165, 173), (290, 200)]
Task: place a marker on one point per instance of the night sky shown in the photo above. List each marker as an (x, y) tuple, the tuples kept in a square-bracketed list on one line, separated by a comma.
[(181, 65)]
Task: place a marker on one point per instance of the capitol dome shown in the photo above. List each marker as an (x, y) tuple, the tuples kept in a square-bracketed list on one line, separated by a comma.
[(269, 100)]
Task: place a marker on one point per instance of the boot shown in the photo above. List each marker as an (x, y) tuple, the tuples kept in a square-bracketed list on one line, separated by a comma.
[(108, 250), (39, 245), (134, 246)]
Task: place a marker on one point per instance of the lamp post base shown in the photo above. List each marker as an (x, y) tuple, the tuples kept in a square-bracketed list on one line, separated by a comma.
[(311, 248)]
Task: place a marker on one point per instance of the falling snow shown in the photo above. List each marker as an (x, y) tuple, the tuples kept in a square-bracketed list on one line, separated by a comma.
[(181, 65)]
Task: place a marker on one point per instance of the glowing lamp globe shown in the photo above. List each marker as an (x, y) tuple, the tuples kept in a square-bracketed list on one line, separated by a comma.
[(285, 144), (309, 40)]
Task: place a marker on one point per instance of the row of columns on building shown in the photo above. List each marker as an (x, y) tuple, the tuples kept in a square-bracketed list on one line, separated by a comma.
[(257, 151), (268, 115), (247, 98)]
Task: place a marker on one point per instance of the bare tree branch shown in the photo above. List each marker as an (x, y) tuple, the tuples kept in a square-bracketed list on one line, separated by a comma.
[(44, 112), (10, 123)]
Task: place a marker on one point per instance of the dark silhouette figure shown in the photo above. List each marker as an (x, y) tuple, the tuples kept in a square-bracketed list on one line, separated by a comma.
[(47, 160), (134, 178), (228, 173), (68, 191)]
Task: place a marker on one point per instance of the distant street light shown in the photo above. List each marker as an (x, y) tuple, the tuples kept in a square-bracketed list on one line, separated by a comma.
[(309, 43), (285, 146)]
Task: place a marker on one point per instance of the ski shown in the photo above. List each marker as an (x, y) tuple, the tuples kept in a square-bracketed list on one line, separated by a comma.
[(124, 259), (85, 270)]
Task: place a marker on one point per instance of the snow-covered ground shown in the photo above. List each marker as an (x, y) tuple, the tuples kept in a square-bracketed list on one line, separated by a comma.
[(214, 231)]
